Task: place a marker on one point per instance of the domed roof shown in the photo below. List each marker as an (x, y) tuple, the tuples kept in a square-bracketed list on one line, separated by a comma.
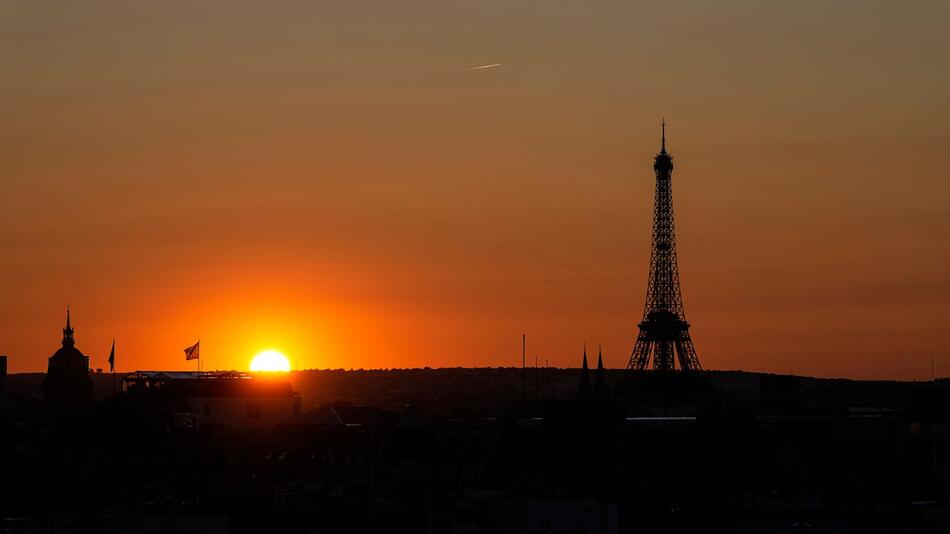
[(67, 387), (68, 358), (67, 364)]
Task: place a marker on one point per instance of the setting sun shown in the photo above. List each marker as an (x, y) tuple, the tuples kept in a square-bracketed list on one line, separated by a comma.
[(270, 360)]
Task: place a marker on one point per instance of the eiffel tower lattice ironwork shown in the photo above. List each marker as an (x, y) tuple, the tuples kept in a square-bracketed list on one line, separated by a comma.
[(664, 333)]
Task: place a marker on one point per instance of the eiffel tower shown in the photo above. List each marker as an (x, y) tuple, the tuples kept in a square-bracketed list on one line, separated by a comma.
[(664, 332)]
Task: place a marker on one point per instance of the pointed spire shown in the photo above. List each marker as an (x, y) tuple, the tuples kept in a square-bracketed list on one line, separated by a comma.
[(68, 340), (584, 389), (600, 380)]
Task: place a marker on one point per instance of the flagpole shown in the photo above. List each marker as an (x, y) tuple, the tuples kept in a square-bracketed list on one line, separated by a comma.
[(194, 353)]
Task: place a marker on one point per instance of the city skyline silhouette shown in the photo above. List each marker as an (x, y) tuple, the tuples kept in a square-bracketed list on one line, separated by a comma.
[(425, 267)]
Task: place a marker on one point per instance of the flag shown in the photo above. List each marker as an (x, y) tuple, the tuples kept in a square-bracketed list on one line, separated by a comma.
[(112, 357), (191, 353)]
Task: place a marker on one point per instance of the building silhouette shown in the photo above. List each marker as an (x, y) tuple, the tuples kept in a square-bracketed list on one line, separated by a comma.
[(3, 376), (591, 409), (217, 400), (584, 389), (67, 388), (600, 392)]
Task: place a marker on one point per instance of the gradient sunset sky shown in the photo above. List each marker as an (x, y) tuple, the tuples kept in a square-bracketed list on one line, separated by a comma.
[(334, 182)]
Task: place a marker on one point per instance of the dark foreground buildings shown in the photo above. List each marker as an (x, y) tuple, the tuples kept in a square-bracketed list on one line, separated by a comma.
[(457, 450)]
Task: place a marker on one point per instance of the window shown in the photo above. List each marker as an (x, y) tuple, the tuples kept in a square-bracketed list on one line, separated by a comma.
[(253, 411)]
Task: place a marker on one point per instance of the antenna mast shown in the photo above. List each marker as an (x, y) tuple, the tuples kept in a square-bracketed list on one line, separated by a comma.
[(524, 371)]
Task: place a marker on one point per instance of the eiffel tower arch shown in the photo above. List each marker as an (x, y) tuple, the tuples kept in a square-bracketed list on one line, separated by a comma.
[(664, 333)]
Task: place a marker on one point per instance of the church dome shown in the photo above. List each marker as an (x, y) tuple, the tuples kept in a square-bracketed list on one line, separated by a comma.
[(68, 359), (68, 386)]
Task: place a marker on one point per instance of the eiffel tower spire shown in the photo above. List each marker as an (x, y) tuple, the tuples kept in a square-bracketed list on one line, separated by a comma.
[(664, 333), (663, 137)]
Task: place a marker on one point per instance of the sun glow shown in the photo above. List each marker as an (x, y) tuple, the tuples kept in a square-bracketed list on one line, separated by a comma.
[(270, 360)]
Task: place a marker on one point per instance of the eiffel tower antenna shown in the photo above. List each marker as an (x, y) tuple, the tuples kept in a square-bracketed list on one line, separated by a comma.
[(663, 136), (664, 333)]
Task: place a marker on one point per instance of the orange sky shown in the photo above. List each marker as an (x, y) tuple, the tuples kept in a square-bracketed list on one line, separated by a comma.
[(332, 181)]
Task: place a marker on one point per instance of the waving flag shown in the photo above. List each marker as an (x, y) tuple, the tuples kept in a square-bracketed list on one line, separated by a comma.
[(191, 353), (112, 357)]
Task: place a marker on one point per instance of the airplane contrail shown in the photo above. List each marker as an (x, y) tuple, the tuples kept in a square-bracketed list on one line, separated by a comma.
[(480, 67)]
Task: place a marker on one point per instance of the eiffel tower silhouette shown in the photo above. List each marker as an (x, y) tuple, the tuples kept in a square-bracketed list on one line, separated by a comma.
[(664, 332)]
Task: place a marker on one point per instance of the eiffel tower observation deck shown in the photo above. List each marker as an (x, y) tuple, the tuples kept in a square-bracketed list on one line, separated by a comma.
[(664, 333)]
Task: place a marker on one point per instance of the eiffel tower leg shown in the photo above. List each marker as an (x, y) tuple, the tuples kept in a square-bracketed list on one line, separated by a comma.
[(663, 360), (687, 353), (640, 358)]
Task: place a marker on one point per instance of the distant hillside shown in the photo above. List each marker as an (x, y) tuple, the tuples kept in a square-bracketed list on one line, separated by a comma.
[(478, 392)]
